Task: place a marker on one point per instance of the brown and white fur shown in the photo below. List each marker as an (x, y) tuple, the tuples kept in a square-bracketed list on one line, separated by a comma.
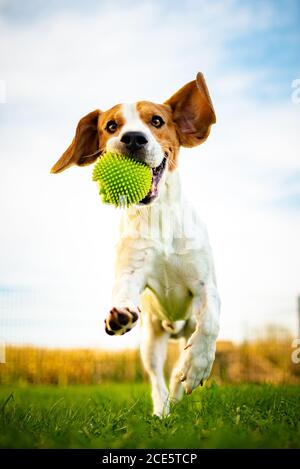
[(164, 269)]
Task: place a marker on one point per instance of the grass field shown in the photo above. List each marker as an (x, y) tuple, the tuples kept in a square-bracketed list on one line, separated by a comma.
[(119, 416)]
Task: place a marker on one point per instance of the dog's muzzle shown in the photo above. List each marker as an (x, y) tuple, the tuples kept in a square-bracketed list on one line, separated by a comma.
[(156, 177)]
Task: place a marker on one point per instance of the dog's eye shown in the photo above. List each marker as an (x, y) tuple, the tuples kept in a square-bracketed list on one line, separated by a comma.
[(157, 121), (111, 126)]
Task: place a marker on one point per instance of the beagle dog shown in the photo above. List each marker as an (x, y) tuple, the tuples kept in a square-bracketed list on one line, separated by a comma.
[(164, 271)]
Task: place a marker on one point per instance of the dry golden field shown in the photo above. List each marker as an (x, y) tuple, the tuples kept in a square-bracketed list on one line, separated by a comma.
[(265, 360)]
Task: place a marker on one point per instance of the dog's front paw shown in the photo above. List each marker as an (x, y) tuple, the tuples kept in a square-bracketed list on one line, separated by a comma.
[(121, 320), (198, 359)]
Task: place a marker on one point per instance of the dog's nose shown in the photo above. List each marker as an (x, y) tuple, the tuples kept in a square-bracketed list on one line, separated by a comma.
[(134, 140)]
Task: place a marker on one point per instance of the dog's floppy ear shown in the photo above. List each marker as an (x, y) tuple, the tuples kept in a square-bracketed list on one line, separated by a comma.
[(193, 112), (85, 145)]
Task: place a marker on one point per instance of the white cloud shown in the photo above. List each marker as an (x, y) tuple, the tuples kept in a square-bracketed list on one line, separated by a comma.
[(58, 236)]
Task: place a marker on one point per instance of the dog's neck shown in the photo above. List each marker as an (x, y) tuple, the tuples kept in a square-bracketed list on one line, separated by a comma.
[(169, 192), (159, 219)]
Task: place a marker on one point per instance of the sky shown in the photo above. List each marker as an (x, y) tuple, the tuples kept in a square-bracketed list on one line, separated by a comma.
[(60, 60)]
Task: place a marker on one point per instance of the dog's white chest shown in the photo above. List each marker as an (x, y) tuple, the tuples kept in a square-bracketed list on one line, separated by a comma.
[(171, 244), (166, 281)]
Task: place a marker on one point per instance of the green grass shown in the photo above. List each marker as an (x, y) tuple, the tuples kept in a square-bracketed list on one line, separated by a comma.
[(119, 416)]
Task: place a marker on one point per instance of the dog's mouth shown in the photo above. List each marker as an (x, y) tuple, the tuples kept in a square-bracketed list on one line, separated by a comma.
[(156, 177)]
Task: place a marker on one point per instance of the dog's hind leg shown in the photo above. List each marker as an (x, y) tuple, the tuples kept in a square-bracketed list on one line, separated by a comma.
[(153, 352), (176, 388)]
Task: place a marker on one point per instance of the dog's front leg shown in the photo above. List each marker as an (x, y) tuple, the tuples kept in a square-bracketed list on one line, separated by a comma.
[(129, 283), (198, 356)]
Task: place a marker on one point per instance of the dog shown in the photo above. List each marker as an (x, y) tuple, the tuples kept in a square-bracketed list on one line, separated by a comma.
[(164, 271)]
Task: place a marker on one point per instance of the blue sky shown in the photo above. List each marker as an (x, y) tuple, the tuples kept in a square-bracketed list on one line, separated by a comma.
[(59, 60), (272, 44)]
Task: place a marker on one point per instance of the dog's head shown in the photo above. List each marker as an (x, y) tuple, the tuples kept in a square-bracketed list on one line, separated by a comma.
[(148, 132)]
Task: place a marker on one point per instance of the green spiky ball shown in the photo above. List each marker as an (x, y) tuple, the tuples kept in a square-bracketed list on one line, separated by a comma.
[(122, 180)]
